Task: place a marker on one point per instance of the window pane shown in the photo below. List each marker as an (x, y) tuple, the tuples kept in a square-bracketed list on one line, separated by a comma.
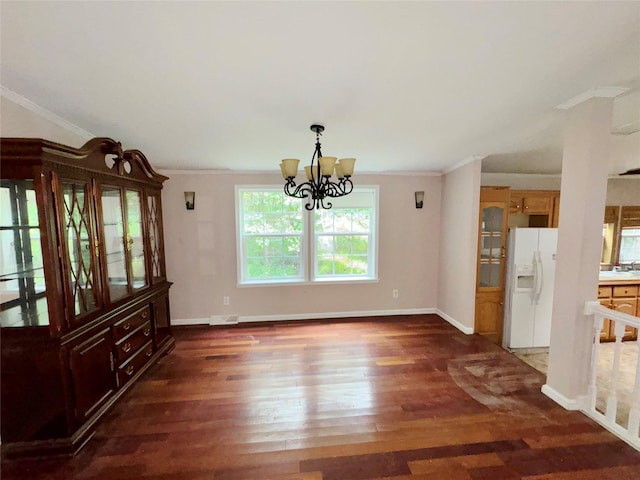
[(630, 245), (271, 229), (344, 237)]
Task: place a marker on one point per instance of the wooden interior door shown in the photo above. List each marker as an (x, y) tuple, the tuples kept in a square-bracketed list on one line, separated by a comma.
[(490, 281)]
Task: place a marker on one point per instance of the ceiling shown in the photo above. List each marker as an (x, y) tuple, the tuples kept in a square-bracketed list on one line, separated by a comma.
[(402, 86)]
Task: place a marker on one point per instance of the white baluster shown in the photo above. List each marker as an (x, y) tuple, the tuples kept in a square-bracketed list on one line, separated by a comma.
[(612, 401), (598, 324), (634, 411)]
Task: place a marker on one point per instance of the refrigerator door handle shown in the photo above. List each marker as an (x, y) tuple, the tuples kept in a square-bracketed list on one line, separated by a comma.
[(534, 288), (539, 275)]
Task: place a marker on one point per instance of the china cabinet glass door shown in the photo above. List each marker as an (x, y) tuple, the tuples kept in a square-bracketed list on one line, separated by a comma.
[(135, 244), (78, 239), (123, 238), (492, 246), (114, 243), (154, 226), (22, 282)]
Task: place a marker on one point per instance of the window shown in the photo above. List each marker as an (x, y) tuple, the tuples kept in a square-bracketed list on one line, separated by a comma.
[(271, 229), (630, 245), (344, 239), (621, 235), (279, 241)]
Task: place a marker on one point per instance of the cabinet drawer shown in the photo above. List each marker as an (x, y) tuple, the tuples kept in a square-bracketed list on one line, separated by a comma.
[(625, 291), (135, 363), (127, 325), (130, 344), (604, 292)]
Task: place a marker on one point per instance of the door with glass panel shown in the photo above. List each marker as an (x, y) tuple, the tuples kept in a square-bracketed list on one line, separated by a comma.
[(492, 246), (124, 263), (155, 258), (23, 301), (490, 275), (79, 248)]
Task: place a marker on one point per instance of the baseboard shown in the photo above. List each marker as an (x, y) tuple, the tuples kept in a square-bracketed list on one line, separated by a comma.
[(189, 321), (567, 403), (234, 319), (455, 323)]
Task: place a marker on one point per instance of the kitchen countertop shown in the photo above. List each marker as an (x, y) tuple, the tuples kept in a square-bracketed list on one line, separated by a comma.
[(619, 278)]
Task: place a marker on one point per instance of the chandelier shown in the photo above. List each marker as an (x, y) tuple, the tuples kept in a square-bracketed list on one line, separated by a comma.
[(319, 187)]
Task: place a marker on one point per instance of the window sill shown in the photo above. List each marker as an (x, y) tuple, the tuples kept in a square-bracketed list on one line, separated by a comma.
[(306, 283)]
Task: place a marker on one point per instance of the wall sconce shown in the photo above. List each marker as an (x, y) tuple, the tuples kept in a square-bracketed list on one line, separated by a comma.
[(419, 199), (190, 200)]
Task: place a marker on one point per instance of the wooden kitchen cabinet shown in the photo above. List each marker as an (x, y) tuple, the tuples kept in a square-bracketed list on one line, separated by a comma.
[(604, 296), (537, 204), (622, 298), (84, 295), (555, 214), (534, 208), (516, 200)]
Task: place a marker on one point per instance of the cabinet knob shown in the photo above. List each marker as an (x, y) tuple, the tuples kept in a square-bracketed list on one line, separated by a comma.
[(147, 331), (126, 326), (144, 314), (126, 348), (149, 352), (129, 370)]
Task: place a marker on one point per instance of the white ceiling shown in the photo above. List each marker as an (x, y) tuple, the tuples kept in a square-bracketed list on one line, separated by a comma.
[(415, 86)]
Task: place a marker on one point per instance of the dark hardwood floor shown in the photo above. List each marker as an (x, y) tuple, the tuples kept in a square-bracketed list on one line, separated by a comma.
[(394, 397)]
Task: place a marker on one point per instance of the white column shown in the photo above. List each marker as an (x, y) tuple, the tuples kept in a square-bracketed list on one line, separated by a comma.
[(583, 190)]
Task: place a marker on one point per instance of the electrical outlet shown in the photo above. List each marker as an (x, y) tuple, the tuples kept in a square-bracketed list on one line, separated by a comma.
[(225, 300), (395, 294)]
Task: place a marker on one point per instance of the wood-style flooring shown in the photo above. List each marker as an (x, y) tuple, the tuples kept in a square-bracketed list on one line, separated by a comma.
[(393, 397), (629, 352)]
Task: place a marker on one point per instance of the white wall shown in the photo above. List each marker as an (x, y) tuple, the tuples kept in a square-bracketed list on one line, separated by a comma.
[(459, 245), (201, 253), (624, 190), (521, 181), (17, 121)]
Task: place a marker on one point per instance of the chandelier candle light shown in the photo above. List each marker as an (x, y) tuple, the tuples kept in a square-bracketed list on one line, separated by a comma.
[(318, 187)]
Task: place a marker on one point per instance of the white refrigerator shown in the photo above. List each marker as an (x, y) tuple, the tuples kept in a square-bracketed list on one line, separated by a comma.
[(531, 265)]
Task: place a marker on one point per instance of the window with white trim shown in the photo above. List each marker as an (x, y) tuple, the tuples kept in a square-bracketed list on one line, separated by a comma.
[(279, 241), (630, 245)]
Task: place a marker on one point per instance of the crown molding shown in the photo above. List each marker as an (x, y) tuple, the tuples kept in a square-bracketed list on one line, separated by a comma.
[(43, 112), (597, 92), (407, 173), (524, 175)]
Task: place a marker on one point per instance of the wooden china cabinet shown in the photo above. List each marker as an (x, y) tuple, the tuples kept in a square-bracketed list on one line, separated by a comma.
[(83, 289)]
